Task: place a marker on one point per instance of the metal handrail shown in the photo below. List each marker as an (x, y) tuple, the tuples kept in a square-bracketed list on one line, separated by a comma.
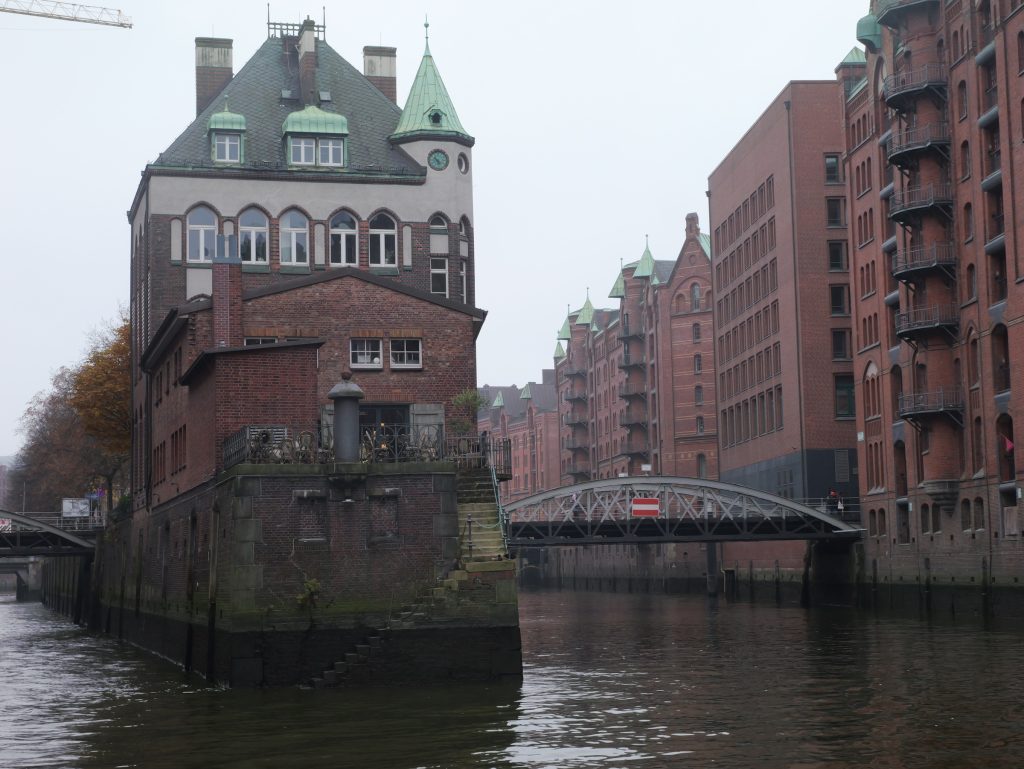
[(918, 257), (926, 317), (928, 402), (925, 195), (918, 137), (901, 82)]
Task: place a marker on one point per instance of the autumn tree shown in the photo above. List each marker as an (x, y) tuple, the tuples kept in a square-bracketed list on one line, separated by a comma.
[(101, 390)]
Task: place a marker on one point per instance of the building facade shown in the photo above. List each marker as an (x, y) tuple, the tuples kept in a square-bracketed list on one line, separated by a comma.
[(783, 343), (933, 155), (303, 237)]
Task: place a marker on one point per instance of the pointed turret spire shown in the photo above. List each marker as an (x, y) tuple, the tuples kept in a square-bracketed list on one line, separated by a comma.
[(429, 112), (586, 314), (559, 351), (646, 266)]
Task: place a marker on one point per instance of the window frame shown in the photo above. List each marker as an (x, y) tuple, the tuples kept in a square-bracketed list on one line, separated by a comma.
[(254, 232), (339, 236), (379, 241), (227, 141), (302, 143), (841, 220), (843, 391), (835, 177), (293, 236), (363, 347), (203, 231), (406, 353), (329, 143), (439, 270), (843, 311)]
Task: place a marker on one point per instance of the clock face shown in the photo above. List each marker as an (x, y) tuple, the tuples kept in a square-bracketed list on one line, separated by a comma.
[(438, 160)]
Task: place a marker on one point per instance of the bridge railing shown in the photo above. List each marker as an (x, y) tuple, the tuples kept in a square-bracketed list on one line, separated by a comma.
[(82, 524)]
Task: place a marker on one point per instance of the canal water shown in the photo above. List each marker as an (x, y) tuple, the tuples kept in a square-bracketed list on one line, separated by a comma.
[(610, 680)]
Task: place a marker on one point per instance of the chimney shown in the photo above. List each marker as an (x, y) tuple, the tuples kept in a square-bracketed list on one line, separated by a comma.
[(692, 225), (379, 68), (213, 69), (227, 291), (307, 63)]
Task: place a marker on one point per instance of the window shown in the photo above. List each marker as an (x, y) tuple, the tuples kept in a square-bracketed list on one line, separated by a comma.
[(961, 99), (252, 236), (405, 353), (844, 396), (331, 152), (294, 239), (697, 364), (968, 222), (700, 425), (256, 341), (343, 240), (841, 347), (462, 278), (833, 170), (227, 148), (835, 212), (696, 332), (439, 275), (365, 353), (695, 297), (698, 396), (965, 159), (383, 237), (702, 466), (839, 299), (302, 152), (202, 231), (837, 261)]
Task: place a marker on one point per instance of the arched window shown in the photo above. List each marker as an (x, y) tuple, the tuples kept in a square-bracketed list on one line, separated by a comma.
[(383, 239), (979, 513), (965, 514), (696, 332), (344, 239), (702, 466), (971, 284), (968, 223), (253, 234), (965, 159), (695, 297), (1020, 51), (698, 365), (961, 99), (698, 395), (202, 234), (699, 423), (926, 518), (294, 239)]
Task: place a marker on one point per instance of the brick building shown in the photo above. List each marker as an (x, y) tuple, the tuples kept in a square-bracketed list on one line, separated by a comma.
[(637, 382), (302, 227), (528, 419), (933, 152), (782, 300)]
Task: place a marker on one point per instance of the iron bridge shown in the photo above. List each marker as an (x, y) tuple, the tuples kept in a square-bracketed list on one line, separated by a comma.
[(25, 534), (688, 510)]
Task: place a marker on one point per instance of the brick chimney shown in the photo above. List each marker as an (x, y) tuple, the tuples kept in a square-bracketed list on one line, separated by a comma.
[(379, 64), (213, 69), (692, 225), (227, 293), (307, 63)]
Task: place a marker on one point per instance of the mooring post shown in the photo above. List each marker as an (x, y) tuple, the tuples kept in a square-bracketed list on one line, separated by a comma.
[(712, 575)]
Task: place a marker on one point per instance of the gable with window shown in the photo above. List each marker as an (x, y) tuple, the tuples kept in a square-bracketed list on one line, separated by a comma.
[(406, 354), (315, 138), (227, 137)]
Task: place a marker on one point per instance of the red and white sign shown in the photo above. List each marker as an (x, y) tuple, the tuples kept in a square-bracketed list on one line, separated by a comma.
[(646, 507)]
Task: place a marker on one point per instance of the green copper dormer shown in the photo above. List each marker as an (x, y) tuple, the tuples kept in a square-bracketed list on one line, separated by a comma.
[(869, 33), (645, 268), (559, 351), (429, 112), (586, 314), (315, 138), (594, 328), (227, 136), (619, 289), (525, 394), (564, 332), (499, 402), (654, 280)]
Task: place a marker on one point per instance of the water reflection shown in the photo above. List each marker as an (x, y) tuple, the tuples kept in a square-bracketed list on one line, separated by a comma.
[(611, 680)]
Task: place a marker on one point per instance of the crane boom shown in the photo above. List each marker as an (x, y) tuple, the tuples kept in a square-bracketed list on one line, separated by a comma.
[(88, 14)]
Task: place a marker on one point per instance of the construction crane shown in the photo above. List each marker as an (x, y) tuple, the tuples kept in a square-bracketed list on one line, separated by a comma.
[(87, 14)]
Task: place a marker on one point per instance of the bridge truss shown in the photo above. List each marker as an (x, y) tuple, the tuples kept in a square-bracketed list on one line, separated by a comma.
[(688, 510), (22, 534)]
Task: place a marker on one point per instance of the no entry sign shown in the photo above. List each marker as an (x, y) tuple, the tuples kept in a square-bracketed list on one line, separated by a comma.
[(645, 507)]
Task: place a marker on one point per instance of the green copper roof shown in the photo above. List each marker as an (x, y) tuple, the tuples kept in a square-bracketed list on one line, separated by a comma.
[(226, 121), (869, 34), (429, 109), (499, 402), (594, 328), (564, 332), (855, 56), (559, 350), (586, 314), (646, 266), (313, 120), (705, 243), (654, 280), (525, 394), (619, 289)]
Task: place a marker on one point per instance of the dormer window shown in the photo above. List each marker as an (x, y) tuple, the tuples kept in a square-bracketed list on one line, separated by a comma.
[(227, 136), (435, 118), (315, 138)]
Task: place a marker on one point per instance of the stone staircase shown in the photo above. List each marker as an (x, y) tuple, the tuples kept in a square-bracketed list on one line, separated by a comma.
[(355, 665), (480, 537)]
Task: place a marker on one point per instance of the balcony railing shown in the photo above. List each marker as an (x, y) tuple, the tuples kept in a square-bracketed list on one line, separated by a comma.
[(925, 196), (635, 449), (918, 138), (576, 444), (575, 420), (571, 371), (632, 359), (926, 318), (910, 82), (922, 258), (575, 396), (383, 443), (628, 329), (630, 390), (633, 418), (934, 402), (578, 468), (990, 98)]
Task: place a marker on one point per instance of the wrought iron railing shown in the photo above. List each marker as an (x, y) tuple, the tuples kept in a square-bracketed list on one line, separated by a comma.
[(927, 317), (924, 257), (921, 136), (914, 80), (951, 399), (920, 197)]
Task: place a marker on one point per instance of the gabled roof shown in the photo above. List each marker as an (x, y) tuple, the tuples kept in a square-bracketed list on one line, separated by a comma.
[(255, 93), (429, 111)]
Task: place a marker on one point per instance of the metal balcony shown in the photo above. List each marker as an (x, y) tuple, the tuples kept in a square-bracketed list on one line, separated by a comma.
[(575, 420), (902, 89), (631, 330), (578, 468), (890, 12), (921, 260), (937, 403), (577, 444), (989, 108), (631, 418), (633, 390), (907, 205), (571, 397), (630, 360), (921, 323), (906, 146), (993, 177), (571, 371), (635, 450)]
